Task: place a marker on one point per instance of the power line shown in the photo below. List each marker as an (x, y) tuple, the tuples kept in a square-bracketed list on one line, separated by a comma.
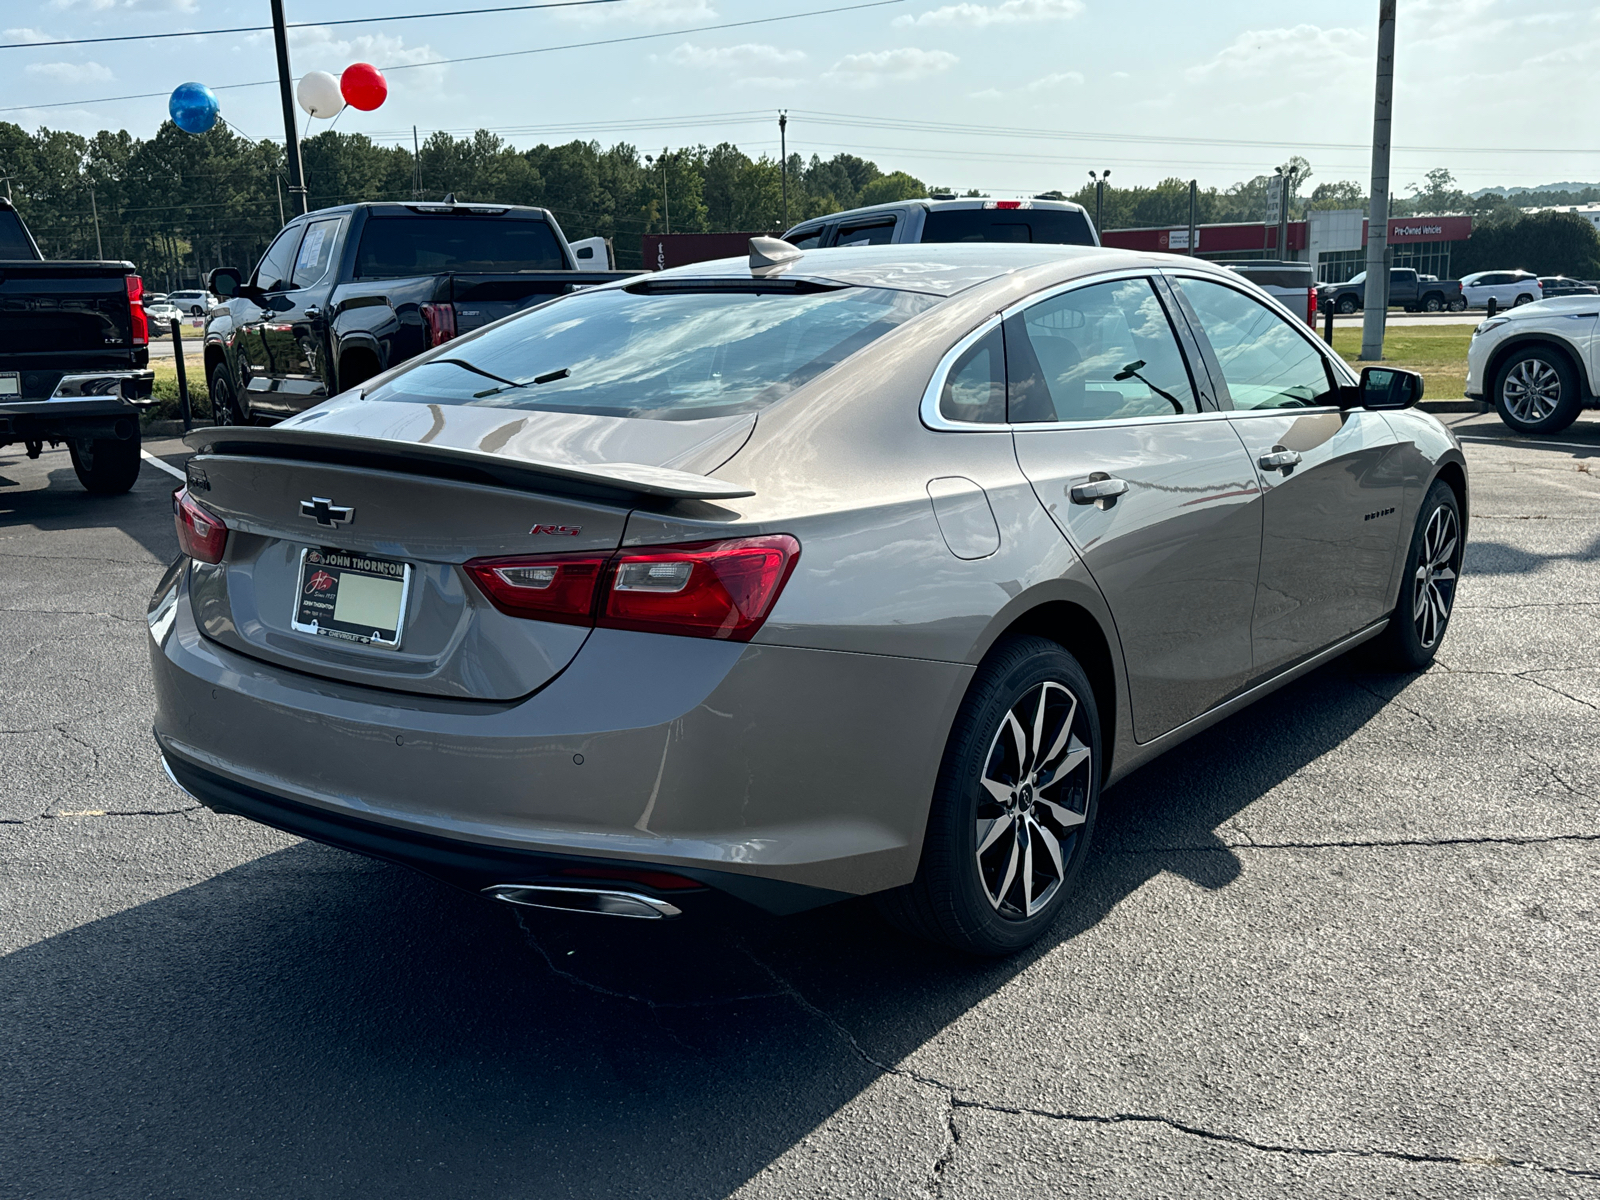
[(150, 37)]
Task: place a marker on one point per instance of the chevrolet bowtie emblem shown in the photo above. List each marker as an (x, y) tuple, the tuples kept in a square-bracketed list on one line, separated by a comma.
[(325, 512)]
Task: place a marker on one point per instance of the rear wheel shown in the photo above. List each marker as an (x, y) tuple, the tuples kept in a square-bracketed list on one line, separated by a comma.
[(1522, 299), (1431, 304), (1014, 807), (105, 466), (1536, 391), (225, 408), (1428, 586), (1458, 304)]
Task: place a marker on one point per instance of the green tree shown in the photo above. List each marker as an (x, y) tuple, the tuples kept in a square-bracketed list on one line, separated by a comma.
[(1346, 193), (1549, 243), (888, 188)]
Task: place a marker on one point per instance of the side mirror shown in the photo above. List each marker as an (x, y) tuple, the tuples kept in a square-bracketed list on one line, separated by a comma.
[(1388, 388), (224, 282)]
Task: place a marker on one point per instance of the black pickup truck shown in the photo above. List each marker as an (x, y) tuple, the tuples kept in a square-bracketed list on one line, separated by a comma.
[(1407, 290), (345, 293), (74, 358)]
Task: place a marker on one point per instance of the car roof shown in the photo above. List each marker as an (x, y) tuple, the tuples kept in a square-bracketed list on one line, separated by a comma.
[(937, 205), (935, 268)]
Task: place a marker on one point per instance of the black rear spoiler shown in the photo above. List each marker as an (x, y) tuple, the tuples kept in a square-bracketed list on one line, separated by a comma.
[(635, 479)]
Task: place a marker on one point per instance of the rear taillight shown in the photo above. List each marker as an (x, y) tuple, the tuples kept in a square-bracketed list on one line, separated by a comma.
[(718, 590), (201, 535), (141, 321), (441, 322)]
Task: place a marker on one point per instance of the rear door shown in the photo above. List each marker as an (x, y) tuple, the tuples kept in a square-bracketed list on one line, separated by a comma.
[(1151, 487), (1332, 480)]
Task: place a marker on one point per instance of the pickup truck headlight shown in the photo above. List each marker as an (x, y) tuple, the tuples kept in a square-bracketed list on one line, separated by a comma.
[(1486, 326)]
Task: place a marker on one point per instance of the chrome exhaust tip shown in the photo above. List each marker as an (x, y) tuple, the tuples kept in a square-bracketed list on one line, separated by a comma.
[(607, 902)]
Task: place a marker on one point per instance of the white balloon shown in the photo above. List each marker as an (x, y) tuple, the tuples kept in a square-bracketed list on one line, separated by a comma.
[(318, 93)]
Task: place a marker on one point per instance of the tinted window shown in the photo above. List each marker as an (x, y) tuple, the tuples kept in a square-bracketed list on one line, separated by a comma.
[(14, 241), (429, 245), (810, 239), (1099, 353), (1057, 226), (311, 264), (975, 389), (672, 356), (273, 273), (877, 233), (1280, 277), (1266, 363)]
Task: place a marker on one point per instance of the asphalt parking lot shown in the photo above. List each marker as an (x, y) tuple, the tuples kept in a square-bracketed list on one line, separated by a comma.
[(1345, 944)]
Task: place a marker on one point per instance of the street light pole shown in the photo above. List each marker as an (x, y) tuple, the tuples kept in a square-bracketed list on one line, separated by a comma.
[(1194, 213), (291, 137), (1376, 292), (783, 151), (1099, 197)]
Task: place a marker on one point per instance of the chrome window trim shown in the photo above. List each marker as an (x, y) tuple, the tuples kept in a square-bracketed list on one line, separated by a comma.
[(933, 419)]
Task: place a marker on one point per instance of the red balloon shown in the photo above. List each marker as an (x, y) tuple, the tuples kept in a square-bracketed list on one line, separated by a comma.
[(363, 86)]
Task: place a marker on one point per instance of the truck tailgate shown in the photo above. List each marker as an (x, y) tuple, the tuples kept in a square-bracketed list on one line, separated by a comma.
[(57, 317)]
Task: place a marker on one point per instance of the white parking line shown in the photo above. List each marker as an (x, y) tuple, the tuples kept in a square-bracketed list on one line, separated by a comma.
[(167, 467), (1508, 442)]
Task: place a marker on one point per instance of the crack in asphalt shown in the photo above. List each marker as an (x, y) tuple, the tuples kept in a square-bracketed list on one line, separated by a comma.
[(60, 814), (67, 612)]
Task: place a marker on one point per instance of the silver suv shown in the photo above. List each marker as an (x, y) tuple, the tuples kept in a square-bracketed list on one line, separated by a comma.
[(908, 221)]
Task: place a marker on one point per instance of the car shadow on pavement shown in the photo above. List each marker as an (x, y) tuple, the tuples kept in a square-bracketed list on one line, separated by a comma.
[(314, 1024), (143, 514)]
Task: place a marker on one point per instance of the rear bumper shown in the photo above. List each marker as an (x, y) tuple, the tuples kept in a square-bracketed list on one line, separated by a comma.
[(96, 404), (808, 769)]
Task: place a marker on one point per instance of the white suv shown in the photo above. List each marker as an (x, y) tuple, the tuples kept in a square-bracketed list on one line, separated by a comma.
[(1507, 288), (1053, 221), (1538, 363)]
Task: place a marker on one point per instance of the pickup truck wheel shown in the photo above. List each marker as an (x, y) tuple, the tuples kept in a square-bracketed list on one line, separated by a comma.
[(1346, 306), (1431, 304), (105, 466), (224, 402), (1536, 391)]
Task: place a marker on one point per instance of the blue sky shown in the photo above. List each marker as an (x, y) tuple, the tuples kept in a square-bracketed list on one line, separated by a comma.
[(1146, 89)]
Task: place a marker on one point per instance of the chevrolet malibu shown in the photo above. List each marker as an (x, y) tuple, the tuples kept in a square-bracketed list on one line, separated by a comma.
[(814, 575)]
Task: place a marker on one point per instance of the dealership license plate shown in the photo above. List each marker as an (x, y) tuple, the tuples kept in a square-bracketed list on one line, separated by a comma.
[(352, 597), (10, 383)]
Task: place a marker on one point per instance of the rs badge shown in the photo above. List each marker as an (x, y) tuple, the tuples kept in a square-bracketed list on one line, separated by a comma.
[(567, 530)]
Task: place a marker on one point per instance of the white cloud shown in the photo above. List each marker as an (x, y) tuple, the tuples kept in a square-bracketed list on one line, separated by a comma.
[(1007, 12), (147, 5), (319, 48), (1287, 54), (641, 12), (29, 35), (746, 57), (69, 72), (1056, 79), (987, 94), (884, 66)]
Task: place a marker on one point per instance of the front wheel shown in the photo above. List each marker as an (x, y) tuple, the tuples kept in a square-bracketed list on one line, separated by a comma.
[(225, 408), (1536, 391), (105, 466), (1428, 586), (1014, 807), (1346, 306)]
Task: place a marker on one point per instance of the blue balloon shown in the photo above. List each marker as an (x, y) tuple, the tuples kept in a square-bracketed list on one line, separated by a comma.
[(193, 107)]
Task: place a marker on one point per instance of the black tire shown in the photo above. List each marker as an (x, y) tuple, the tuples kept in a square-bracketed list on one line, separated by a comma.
[(1458, 304), (1427, 586), (1536, 390), (1522, 299), (1346, 306), (1028, 804), (106, 466), (225, 408), (1432, 304)]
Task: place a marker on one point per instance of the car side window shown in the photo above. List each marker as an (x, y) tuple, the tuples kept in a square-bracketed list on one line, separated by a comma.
[(1265, 361), (1105, 352), (311, 264), (809, 239), (873, 233), (975, 388), (274, 272)]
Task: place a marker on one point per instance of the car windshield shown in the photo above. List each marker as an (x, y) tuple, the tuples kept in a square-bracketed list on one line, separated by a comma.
[(1361, 278), (674, 356)]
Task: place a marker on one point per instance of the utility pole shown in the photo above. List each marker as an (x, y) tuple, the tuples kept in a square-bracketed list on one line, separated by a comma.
[(1377, 289), (291, 137), (783, 150), (1285, 190), (661, 162), (1099, 197), (1194, 212), (99, 249), (416, 165)]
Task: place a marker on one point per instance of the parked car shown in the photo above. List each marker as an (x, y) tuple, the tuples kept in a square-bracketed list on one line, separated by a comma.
[(194, 303), (345, 293), (74, 358), (1536, 363), (793, 578), (1059, 222), (160, 317), (1506, 288), (1406, 290), (1291, 284), (1562, 285)]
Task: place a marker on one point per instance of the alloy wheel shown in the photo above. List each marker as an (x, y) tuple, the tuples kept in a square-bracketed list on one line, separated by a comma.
[(1034, 800), (1436, 576), (1532, 390)]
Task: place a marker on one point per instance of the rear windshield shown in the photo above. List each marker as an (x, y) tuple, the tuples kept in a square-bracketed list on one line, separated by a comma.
[(14, 241), (674, 356), (1053, 225), (430, 245), (1280, 277)]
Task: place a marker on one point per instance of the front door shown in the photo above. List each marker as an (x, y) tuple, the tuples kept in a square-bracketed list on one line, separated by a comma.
[(1158, 498), (1332, 480), (254, 318), (295, 331)]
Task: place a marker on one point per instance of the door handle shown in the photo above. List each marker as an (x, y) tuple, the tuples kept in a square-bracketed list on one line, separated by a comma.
[(1104, 488), (1279, 459), (313, 311)]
